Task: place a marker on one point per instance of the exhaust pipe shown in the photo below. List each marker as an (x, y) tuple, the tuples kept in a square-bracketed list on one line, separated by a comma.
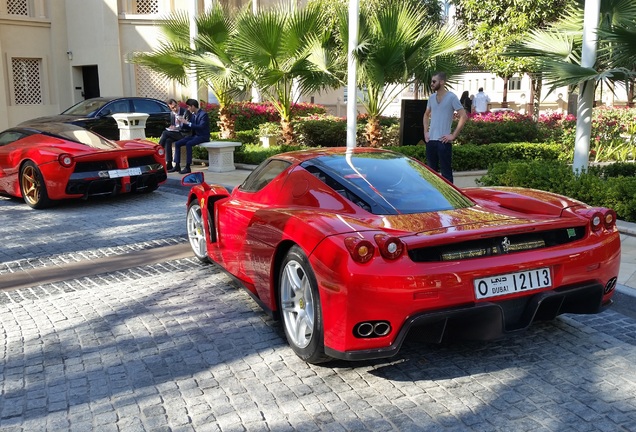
[(372, 329), (611, 284), (382, 328)]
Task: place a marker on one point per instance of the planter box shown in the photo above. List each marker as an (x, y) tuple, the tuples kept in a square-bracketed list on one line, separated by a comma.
[(268, 141)]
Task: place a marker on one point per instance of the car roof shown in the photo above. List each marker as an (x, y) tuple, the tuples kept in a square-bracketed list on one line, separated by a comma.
[(300, 156), (112, 98), (36, 126)]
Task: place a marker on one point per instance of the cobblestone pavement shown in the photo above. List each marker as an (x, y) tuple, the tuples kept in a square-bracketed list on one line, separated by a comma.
[(175, 346)]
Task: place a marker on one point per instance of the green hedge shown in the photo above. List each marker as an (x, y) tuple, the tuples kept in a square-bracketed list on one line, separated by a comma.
[(612, 186), (253, 154), (500, 127), (465, 157), (479, 157)]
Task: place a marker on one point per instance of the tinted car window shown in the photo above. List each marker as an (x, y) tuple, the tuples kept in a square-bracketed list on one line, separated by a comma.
[(148, 106), (264, 174), (85, 108), (10, 136), (388, 183), (115, 107)]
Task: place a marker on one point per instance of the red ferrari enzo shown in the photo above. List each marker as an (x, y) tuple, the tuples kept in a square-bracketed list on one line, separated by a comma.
[(51, 161), (353, 249)]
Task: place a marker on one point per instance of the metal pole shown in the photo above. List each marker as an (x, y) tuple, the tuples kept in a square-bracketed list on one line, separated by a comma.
[(193, 80), (586, 88), (352, 103), (256, 95)]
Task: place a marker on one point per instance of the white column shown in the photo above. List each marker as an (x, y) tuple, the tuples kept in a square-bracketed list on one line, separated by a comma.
[(352, 65), (193, 85), (586, 88), (256, 95)]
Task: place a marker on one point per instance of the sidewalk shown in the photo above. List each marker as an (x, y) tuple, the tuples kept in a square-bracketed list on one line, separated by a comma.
[(626, 276)]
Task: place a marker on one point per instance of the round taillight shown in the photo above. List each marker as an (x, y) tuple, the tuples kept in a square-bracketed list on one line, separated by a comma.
[(609, 219), (160, 151), (597, 221), (360, 250), (66, 160), (390, 247)]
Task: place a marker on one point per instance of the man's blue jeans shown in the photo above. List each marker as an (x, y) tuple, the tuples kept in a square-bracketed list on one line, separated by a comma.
[(439, 156)]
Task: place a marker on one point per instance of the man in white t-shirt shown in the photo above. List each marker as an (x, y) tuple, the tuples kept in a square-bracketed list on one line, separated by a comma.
[(439, 116), (481, 101)]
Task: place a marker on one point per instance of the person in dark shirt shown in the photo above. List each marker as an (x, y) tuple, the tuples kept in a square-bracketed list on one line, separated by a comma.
[(200, 124), (466, 102)]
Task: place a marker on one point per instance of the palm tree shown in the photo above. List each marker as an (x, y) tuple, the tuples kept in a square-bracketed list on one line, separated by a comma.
[(210, 58), (557, 49), (287, 52), (398, 45)]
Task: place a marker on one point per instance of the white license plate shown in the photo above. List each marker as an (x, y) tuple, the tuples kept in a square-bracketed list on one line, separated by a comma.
[(512, 283), (124, 172)]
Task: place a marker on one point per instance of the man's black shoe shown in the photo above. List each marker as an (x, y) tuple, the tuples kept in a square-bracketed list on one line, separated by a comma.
[(168, 166), (175, 168), (186, 170)]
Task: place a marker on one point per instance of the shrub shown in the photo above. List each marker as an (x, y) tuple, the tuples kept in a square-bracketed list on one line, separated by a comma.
[(392, 135), (618, 169), (478, 157), (597, 187), (252, 154), (248, 115), (499, 127), (269, 129), (245, 137), (612, 134), (321, 131)]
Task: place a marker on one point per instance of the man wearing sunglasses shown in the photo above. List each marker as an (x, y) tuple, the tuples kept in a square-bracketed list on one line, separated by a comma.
[(438, 119)]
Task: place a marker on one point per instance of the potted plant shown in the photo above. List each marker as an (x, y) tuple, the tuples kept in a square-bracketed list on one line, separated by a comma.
[(268, 133)]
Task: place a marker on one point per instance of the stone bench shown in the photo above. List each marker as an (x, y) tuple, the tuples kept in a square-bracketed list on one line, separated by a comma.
[(220, 155)]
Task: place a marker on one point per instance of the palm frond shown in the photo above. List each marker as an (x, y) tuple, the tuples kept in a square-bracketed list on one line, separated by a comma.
[(621, 45)]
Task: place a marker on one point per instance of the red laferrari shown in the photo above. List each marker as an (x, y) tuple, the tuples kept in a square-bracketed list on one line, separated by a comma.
[(353, 249), (52, 161)]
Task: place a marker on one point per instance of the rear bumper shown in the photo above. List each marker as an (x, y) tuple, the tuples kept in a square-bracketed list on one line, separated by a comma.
[(94, 183), (489, 320)]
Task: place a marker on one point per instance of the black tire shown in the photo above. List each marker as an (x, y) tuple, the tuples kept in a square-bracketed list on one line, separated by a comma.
[(196, 231), (300, 308), (32, 186)]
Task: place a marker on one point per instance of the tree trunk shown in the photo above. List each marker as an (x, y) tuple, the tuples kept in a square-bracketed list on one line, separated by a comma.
[(226, 123), (504, 100), (373, 132), (288, 131), (530, 105), (537, 86)]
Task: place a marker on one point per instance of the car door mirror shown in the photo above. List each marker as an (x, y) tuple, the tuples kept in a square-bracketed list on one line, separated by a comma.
[(193, 179)]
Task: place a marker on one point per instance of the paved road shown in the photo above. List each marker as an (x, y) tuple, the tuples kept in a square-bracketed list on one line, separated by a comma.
[(173, 345)]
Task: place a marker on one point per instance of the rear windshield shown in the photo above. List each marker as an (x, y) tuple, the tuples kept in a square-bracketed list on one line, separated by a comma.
[(386, 183)]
